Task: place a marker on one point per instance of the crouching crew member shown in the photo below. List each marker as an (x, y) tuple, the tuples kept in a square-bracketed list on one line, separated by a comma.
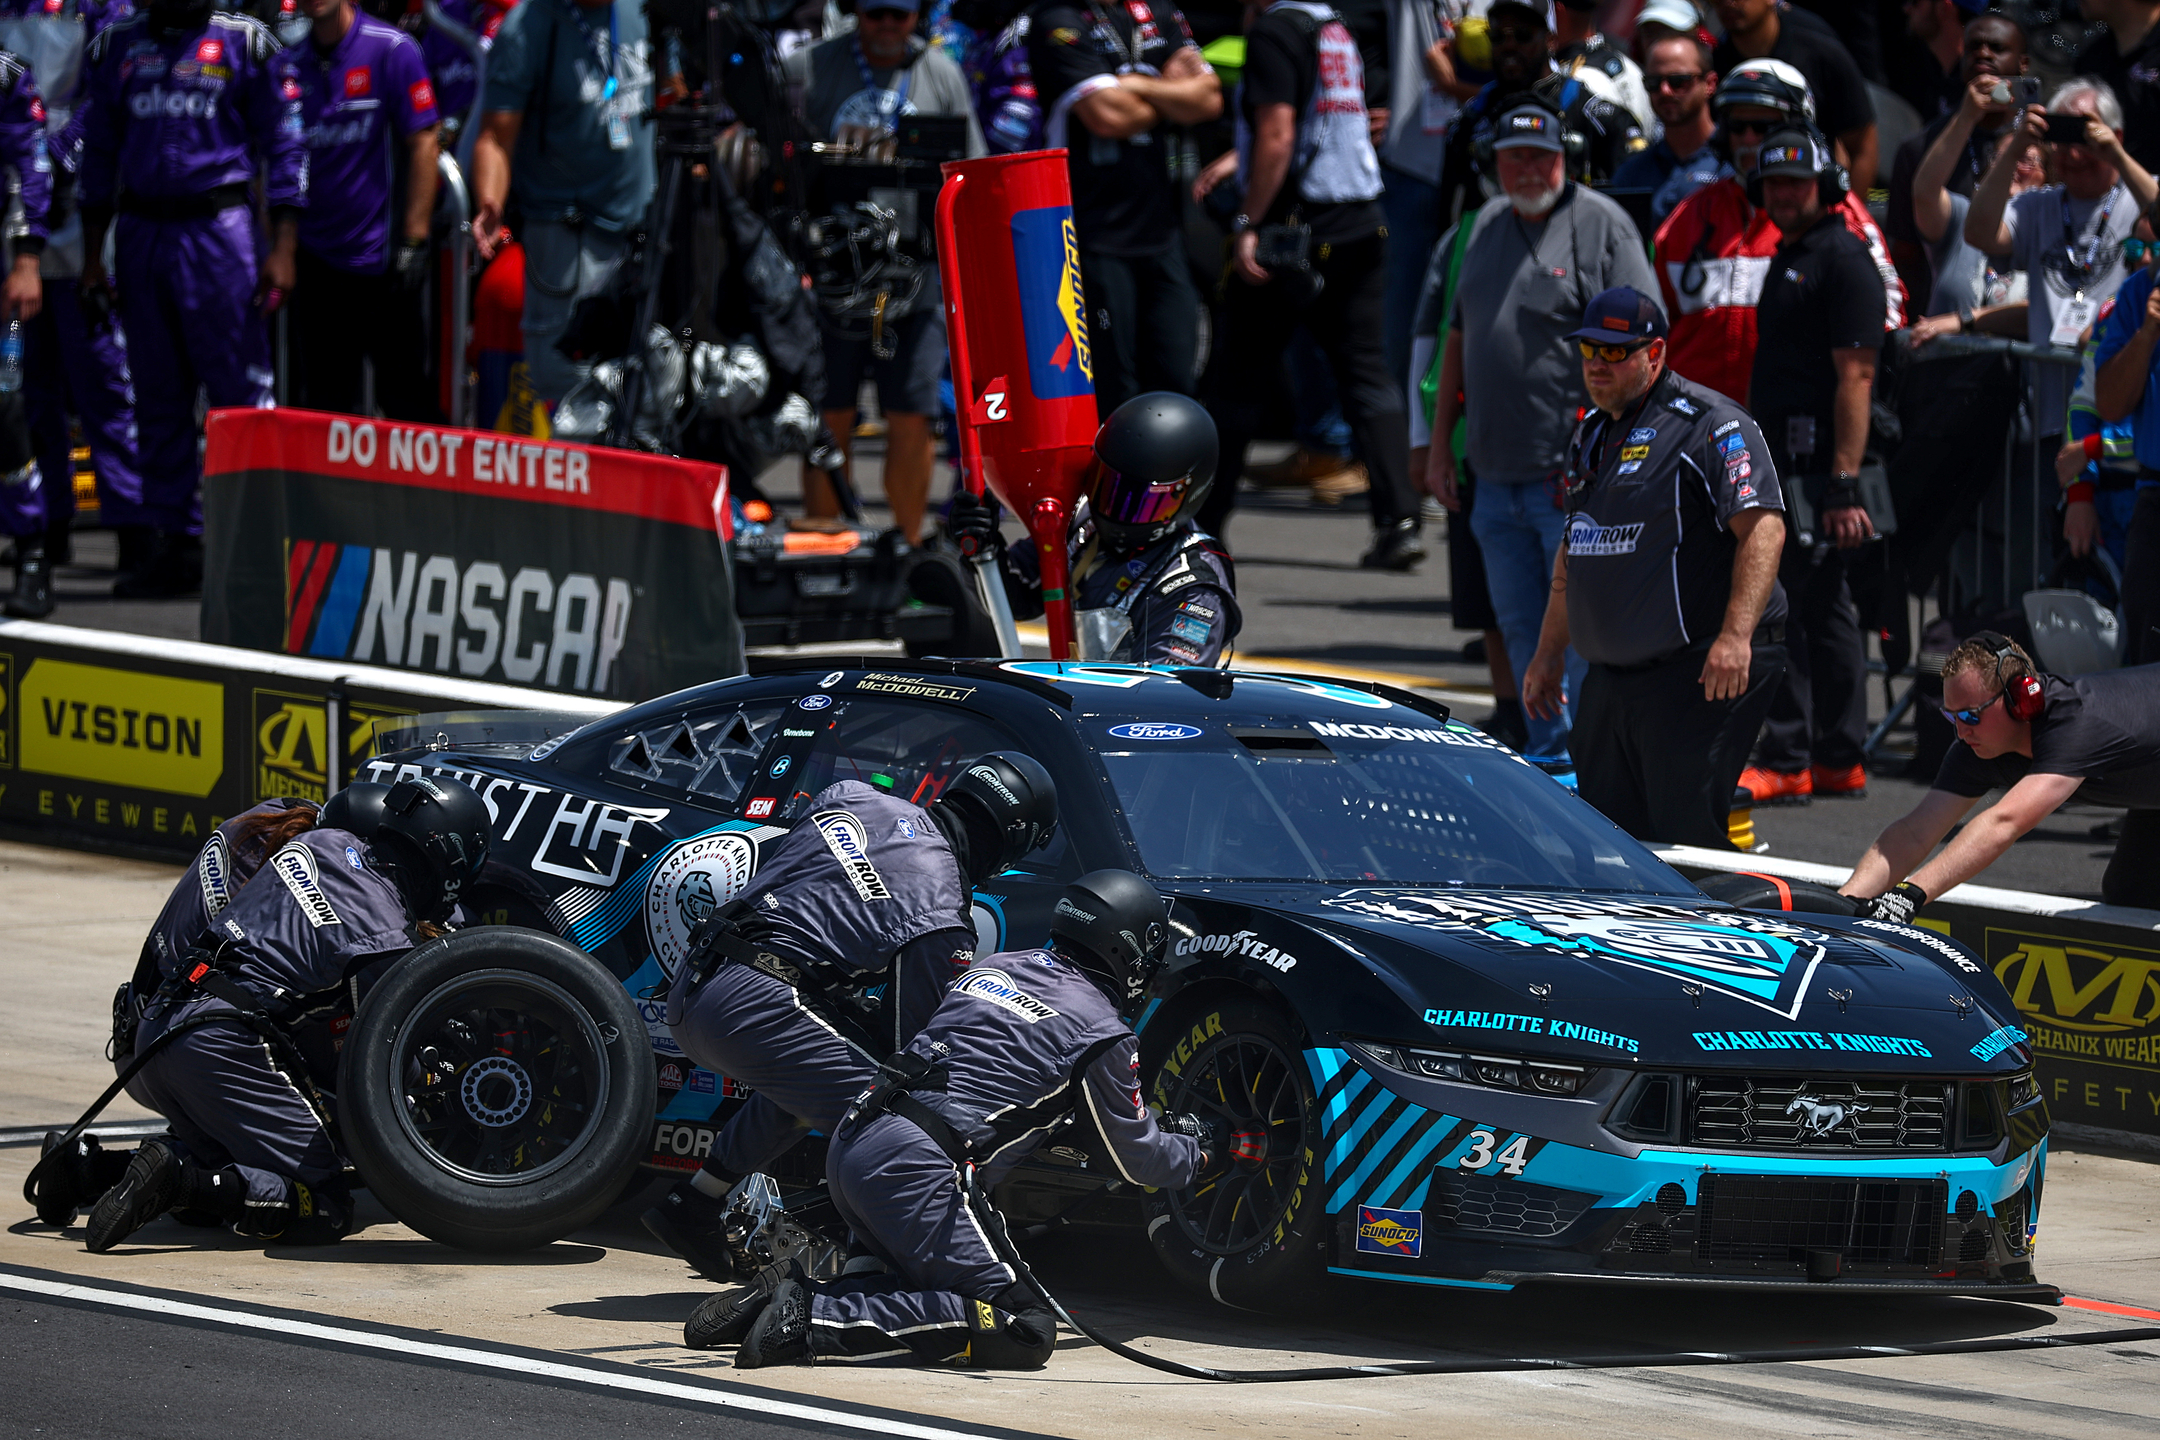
[(1023, 1041), (249, 1146), (2042, 739), (1150, 586), (1666, 582), (866, 888)]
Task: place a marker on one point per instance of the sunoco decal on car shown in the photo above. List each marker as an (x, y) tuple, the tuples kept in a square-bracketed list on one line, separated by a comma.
[(1155, 730), (997, 987), (1390, 1232), (844, 837), (295, 865), (214, 868), (691, 880), (1754, 958)]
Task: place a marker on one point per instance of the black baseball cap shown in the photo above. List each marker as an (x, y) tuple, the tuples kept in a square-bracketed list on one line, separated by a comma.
[(1792, 152), (1622, 315)]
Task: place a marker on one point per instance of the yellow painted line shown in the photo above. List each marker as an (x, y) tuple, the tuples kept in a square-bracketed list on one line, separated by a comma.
[(1034, 633)]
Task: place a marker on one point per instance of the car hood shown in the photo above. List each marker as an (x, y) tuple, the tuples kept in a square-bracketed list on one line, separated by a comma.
[(1649, 980)]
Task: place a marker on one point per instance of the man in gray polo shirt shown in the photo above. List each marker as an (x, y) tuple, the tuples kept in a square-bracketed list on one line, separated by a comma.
[(1529, 269)]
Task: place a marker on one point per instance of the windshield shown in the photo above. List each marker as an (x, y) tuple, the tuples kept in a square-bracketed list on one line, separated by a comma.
[(508, 732), (1290, 799)]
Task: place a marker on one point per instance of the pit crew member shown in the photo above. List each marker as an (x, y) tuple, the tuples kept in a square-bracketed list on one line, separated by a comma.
[(1024, 1040), (1713, 251), (25, 509), (249, 1146), (1150, 585), (2042, 739), (1666, 583), (866, 888), (185, 105)]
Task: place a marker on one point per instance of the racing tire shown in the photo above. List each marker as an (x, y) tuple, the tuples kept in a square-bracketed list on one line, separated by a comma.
[(1250, 1238), (497, 1090), (1749, 891)]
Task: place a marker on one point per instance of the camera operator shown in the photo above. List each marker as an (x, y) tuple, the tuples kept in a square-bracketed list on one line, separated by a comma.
[(565, 145), (852, 89), (365, 104), (1111, 79)]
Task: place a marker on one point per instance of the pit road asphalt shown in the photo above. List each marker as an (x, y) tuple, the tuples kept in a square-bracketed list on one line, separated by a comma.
[(191, 1332)]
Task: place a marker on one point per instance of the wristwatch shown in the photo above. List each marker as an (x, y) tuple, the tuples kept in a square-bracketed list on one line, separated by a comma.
[(1965, 318), (1240, 223)]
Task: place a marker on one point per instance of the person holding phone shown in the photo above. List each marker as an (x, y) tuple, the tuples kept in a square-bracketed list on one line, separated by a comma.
[(2066, 237)]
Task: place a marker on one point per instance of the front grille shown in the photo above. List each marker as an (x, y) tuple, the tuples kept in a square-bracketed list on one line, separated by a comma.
[(1753, 1219), (1771, 1113), (1496, 1203)]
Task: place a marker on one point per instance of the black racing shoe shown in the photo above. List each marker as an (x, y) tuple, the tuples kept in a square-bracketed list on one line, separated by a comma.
[(148, 1190), (68, 1184), (693, 1225), (1395, 547), (32, 599), (726, 1318), (781, 1333)]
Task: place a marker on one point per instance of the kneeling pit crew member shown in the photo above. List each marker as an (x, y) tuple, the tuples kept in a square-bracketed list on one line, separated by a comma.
[(1023, 1041), (1666, 583), (866, 888), (249, 1146), (1150, 585), (2043, 739)]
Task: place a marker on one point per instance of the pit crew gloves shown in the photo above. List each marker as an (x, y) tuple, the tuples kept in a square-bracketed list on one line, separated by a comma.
[(1897, 906)]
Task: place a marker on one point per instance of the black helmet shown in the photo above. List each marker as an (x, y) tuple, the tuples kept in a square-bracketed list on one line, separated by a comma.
[(1007, 804), (1157, 454), (357, 809), (1113, 926), (446, 825)]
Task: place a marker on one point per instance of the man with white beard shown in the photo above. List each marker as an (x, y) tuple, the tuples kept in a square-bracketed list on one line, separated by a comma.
[(1528, 270)]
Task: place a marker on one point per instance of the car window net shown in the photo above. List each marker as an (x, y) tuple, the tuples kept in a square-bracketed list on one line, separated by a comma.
[(1254, 802)]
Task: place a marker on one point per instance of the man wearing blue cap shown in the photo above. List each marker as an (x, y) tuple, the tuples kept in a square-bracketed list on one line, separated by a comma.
[(1666, 583)]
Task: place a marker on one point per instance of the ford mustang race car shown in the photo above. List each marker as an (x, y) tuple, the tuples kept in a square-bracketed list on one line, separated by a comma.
[(1491, 1040)]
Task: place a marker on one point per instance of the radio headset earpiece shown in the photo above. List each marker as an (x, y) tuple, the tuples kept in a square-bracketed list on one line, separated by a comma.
[(2024, 698), (1790, 144)]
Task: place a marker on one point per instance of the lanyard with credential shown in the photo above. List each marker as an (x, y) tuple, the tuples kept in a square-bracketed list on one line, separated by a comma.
[(907, 77)]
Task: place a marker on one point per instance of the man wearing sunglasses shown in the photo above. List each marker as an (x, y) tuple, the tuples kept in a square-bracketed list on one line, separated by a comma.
[(2042, 740), (1666, 583), (1684, 160)]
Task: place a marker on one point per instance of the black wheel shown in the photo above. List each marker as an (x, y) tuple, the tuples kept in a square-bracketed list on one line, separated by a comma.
[(1250, 1238), (497, 1090), (1749, 891)]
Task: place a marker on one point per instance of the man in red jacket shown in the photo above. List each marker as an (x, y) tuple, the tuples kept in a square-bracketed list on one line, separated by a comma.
[(1714, 250)]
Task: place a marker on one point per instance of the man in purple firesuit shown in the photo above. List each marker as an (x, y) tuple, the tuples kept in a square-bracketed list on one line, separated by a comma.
[(22, 501), (185, 106), (367, 112), (73, 364)]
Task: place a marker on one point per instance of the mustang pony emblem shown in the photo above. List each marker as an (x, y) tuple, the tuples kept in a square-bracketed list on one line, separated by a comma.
[(1820, 1117)]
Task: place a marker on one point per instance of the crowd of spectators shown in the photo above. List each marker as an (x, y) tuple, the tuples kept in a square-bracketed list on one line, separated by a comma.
[(1390, 214)]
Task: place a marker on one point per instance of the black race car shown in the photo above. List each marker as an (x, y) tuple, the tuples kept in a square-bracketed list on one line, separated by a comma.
[(1492, 1040)]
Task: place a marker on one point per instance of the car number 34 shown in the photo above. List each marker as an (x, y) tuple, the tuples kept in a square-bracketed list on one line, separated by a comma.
[(1512, 1157)]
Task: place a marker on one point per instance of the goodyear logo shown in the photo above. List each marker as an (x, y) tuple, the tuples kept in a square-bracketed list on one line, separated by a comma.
[(1390, 1232), (122, 727), (1053, 309), (2077, 986)]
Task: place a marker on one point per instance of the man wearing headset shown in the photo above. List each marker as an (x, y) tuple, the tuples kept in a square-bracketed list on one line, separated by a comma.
[(2042, 739), (1713, 251)]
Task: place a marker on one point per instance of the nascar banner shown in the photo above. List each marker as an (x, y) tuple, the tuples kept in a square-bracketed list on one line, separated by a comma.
[(2084, 977), (466, 553), (140, 745)]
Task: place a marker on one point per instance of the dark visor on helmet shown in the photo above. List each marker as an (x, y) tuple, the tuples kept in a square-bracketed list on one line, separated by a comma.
[(1121, 499)]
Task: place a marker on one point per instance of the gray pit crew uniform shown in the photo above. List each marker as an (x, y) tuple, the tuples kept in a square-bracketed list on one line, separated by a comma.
[(865, 882), (1650, 498), (1022, 1041), (1172, 603), (320, 913)]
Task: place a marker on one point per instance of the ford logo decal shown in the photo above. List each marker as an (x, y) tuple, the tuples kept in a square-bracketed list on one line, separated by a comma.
[(814, 702), (1154, 730)]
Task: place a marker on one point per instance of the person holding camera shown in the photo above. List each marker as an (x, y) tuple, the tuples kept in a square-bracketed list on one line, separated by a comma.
[(1310, 248), (566, 143), (367, 108), (854, 87)]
